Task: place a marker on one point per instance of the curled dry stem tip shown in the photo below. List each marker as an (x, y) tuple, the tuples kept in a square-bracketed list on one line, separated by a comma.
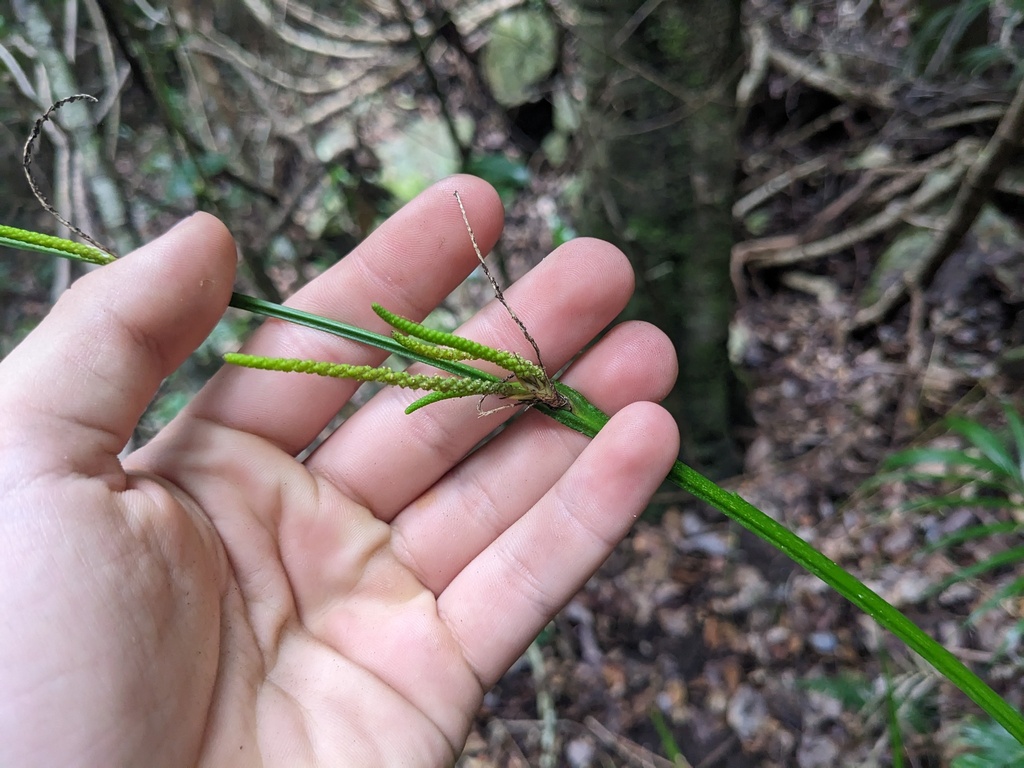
[(26, 164)]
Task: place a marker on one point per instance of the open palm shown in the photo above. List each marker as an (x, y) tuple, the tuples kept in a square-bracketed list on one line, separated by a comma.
[(211, 599)]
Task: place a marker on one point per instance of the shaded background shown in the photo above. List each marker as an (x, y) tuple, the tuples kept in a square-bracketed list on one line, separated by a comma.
[(821, 211)]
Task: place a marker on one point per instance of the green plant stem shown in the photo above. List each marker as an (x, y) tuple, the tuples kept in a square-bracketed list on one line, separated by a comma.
[(847, 585), (799, 551), (587, 419)]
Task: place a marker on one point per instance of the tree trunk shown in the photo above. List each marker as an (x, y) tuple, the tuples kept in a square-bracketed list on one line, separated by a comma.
[(661, 159)]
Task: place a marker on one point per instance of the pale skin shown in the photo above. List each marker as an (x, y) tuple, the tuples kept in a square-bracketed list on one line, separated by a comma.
[(210, 599)]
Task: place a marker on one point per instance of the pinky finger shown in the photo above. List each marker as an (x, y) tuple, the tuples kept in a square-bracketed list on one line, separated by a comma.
[(506, 595)]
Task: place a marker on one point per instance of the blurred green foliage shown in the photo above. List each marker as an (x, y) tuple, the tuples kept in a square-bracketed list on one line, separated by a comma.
[(986, 744)]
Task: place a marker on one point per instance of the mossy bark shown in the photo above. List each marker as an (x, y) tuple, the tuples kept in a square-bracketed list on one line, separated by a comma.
[(661, 157)]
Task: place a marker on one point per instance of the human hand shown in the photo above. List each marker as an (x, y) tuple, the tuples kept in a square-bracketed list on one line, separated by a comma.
[(209, 599)]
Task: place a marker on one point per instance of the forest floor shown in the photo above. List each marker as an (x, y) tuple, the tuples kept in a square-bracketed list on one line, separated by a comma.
[(695, 635), (748, 660)]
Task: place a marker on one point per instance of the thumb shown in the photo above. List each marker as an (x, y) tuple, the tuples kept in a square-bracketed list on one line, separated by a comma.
[(83, 377)]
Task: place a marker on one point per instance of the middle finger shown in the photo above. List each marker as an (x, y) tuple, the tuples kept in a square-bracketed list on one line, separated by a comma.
[(564, 301), (441, 532)]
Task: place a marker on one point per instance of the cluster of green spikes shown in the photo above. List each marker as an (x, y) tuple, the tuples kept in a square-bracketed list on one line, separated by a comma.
[(526, 384)]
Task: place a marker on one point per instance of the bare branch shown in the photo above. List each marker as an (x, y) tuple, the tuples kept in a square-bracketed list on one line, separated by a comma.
[(881, 222), (818, 78), (306, 41), (359, 33), (26, 164), (975, 189)]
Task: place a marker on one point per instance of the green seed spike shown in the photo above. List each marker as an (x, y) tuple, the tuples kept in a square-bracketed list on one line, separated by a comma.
[(450, 386), (511, 362), (433, 397), (57, 246), (528, 383), (537, 386), (430, 350)]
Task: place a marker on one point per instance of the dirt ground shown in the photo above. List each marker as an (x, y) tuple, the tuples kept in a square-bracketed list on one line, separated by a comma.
[(744, 658), (697, 637)]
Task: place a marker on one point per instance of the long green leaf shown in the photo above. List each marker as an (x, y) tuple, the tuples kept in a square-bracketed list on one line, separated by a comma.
[(998, 560), (892, 713), (910, 476), (853, 590), (1014, 588), (957, 500), (985, 745), (945, 456), (1017, 430), (987, 442), (974, 532)]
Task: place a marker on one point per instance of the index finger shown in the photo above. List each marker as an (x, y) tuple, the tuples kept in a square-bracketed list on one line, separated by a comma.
[(409, 264)]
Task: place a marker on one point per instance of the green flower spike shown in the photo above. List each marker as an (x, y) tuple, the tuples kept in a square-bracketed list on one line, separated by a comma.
[(527, 383), (56, 246), (538, 386)]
